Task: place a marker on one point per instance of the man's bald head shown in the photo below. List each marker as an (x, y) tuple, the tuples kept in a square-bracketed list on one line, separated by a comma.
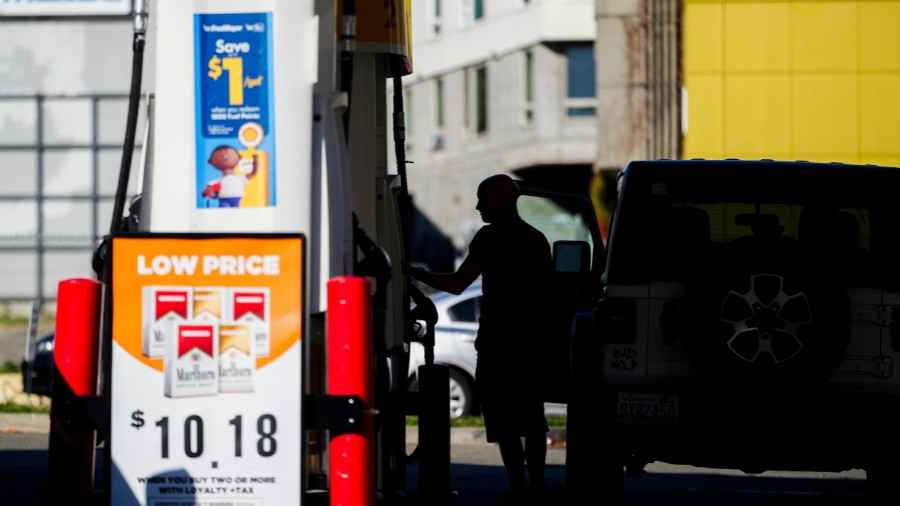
[(497, 197)]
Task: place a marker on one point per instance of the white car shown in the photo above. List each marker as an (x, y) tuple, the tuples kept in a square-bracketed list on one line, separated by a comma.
[(454, 346)]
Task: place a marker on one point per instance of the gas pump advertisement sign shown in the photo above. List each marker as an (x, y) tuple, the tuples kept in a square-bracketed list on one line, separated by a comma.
[(234, 93), (206, 370)]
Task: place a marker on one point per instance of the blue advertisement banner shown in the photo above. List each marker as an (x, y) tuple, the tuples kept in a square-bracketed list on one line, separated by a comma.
[(234, 109)]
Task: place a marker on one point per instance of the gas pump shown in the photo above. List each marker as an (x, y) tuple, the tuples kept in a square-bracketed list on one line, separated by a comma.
[(264, 231)]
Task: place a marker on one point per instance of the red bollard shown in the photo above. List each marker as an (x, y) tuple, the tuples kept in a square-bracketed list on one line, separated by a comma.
[(77, 341), (351, 372), (72, 445)]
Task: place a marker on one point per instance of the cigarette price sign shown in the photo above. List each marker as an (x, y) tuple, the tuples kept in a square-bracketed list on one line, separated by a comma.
[(206, 369)]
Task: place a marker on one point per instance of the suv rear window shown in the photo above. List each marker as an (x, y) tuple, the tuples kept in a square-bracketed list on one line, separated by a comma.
[(842, 216)]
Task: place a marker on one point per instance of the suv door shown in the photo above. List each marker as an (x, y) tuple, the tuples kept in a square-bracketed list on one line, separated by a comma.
[(570, 225)]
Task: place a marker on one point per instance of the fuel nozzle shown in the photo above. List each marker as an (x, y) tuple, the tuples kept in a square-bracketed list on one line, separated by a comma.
[(427, 312), (140, 11)]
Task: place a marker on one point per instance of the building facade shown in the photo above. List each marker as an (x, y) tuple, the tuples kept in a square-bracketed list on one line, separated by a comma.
[(810, 80), (815, 80), (793, 80), (566, 91), (500, 86)]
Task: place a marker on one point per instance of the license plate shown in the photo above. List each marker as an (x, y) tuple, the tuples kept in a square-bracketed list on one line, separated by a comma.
[(647, 408)]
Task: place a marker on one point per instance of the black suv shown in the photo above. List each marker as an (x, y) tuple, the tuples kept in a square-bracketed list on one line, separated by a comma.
[(747, 322)]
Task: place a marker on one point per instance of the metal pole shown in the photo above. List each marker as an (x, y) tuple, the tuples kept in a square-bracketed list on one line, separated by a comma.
[(40, 199), (434, 433)]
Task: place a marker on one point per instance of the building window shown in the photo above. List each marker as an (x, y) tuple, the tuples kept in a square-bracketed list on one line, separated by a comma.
[(476, 101), (437, 142), (436, 18), (408, 116), (581, 89), (472, 11), (439, 103), (527, 88)]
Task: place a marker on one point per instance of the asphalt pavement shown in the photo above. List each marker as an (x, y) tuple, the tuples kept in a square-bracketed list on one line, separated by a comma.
[(477, 477)]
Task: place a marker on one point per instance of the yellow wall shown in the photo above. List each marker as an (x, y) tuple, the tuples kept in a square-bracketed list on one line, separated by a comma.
[(793, 80)]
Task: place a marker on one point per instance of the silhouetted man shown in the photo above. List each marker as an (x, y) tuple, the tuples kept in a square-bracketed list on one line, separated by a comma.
[(513, 259)]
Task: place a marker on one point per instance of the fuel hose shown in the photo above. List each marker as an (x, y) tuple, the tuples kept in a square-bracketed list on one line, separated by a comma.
[(140, 15), (101, 261)]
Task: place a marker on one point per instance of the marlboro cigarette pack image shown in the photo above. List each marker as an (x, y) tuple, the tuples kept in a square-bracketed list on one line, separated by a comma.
[(237, 361), (191, 363), (209, 304), (252, 306), (160, 306)]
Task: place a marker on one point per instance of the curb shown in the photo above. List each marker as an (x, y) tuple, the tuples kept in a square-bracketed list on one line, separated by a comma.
[(24, 423)]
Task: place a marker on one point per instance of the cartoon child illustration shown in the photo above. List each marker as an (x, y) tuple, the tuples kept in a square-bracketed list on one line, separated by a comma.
[(230, 187)]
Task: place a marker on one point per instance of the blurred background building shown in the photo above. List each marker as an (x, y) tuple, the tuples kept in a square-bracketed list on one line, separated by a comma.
[(561, 91), (66, 71), (497, 86), (780, 79)]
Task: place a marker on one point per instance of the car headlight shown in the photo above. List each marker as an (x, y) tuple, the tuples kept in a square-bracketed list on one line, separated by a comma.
[(44, 346)]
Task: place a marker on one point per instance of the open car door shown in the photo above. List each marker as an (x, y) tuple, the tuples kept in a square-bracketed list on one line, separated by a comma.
[(579, 256)]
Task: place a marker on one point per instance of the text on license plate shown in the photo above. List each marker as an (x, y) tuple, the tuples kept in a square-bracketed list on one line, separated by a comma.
[(647, 408)]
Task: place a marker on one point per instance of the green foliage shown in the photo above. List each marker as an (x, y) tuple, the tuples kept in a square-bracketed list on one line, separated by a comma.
[(9, 367), (463, 421), (556, 421), (467, 421), (8, 318), (12, 407)]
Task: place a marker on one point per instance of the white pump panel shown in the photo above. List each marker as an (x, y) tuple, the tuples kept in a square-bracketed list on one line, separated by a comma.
[(208, 328)]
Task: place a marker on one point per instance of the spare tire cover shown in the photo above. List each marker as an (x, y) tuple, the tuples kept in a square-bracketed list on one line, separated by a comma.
[(763, 316)]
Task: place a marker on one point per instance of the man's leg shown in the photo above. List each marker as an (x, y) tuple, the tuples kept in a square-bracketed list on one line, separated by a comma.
[(513, 456), (536, 457)]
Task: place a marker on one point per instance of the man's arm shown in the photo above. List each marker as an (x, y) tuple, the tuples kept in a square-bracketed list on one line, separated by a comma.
[(453, 282)]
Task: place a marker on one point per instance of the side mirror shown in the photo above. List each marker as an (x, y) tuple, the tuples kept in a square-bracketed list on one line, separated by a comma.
[(571, 257)]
